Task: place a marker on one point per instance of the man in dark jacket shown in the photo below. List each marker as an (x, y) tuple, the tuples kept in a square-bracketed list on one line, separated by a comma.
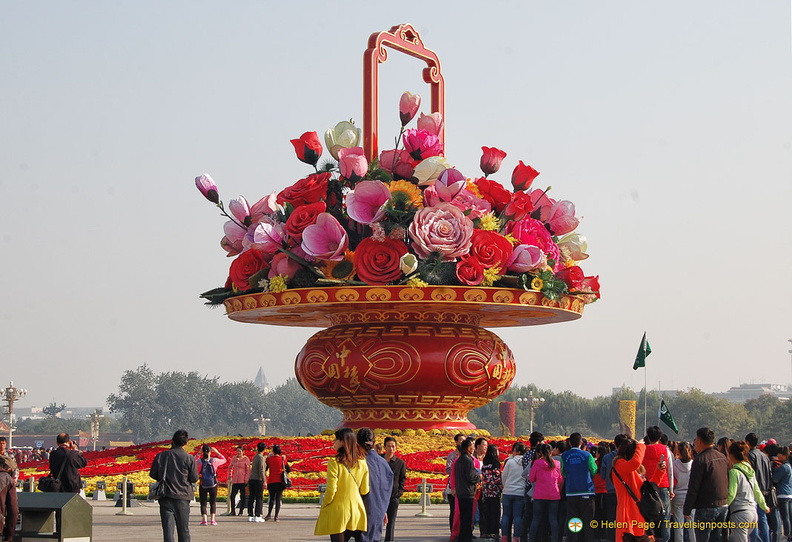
[(175, 469), (708, 488), (466, 479), (8, 499), (399, 469), (67, 460), (764, 478)]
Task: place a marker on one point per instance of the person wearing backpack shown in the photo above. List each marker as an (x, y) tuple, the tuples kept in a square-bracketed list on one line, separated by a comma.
[(627, 480), (207, 476), (744, 493)]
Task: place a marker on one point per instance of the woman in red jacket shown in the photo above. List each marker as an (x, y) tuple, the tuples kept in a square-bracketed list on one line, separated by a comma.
[(627, 465)]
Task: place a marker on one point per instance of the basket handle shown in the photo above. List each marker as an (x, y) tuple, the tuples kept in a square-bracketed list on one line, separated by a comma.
[(405, 39)]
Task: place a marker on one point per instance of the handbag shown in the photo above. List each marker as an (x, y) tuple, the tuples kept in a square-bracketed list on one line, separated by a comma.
[(287, 482), (650, 505), (157, 489), (771, 497), (50, 484)]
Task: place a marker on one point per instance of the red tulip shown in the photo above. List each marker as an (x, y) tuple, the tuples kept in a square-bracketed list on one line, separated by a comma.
[(208, 188), (308, 148), (408, 107), (491, 159), (523, 176)]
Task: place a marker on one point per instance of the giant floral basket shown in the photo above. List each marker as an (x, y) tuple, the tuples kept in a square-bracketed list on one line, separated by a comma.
[(405, 260)]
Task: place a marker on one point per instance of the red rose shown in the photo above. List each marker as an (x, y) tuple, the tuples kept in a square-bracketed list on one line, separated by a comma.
[(245, 266), (523, 176), (302, 217), (491, 159), (308, 148), (470, 271), (591, 284), (573, 276), (378, 262), (494, 193), (309, 190), (491, 249), (519, 206)]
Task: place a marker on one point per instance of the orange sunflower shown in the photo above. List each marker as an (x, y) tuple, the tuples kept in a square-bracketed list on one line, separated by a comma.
[(405, 195)]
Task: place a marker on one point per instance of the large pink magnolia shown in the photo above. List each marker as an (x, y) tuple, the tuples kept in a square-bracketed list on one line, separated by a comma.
[(558, 215), (444, 229), (266, 236), (526, 258), (326, 239), (267, 205), (366, 203)]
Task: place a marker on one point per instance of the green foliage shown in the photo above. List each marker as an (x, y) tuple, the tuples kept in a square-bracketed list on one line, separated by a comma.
[(294, 411)]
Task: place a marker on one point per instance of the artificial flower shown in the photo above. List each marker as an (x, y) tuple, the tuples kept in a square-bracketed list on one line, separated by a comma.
[(267, 236), (408, 263), (591, 285), (408, 107), (267, 205), (432, 123), (308, 190), (283, 265), (523, 176), (302, 217), (326, 239), (491, 159), (308, 148), (352, 163), (493, 192), (470, 271), (490, 248), (519, 206), (489, 222), (526, 258), (240, 209), (573, 246), (443, 229), (344, 135), (530, 231), (245, 266), (366, 203), (449, 183), (422, 144), (208, 188), (379, 262), (428, 170), (572, 276), (404, 196), (398, 163), (277, 284)]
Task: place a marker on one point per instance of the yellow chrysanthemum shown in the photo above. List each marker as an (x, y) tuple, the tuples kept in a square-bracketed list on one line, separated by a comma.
[(537, 284), (491, 276), (490, 222), (415, 282), (278, 284), (405, 193), (512, 239), (343, 269)]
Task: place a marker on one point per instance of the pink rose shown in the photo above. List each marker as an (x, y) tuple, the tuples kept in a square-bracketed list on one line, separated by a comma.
[(529, 231), (352, 163), (366, 203), (283, 265), (444, 229), (326, 239)]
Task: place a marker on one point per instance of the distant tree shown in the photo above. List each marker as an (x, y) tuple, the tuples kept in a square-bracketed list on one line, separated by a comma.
[(694, 408), (235, 406), (53, 409), (136, 401), (761, 411), (294, 411), (778, 426), (52, 426)]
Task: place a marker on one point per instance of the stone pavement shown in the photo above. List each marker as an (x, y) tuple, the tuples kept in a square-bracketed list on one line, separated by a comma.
[(296, 524)]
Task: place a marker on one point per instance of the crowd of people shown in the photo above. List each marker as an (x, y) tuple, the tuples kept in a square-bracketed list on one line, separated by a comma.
[(585, 492)]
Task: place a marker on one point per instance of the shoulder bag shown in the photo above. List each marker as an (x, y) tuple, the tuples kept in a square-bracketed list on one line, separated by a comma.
[(650, 504), (287, 482), (157, 489), (50, 484)]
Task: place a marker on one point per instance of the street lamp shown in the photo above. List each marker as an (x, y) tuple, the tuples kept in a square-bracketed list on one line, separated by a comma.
[(532, 403), (262, 424), (95, 417), (10, 396)]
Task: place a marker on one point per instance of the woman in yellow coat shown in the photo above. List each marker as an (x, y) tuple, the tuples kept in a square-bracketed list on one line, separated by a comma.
[(343, 515)]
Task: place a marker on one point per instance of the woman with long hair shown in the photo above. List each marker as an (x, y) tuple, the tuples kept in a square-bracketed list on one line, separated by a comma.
[(744, 493), (625, 474), (491, 489), (276, 465), (546, 478), (343, 515), (682, 464), (207, 476)]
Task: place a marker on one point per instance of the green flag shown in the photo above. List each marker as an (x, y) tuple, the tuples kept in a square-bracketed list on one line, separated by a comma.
[(643, 353), (665, 416)]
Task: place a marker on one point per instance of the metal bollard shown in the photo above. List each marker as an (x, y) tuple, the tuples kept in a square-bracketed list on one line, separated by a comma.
[(99, 492), (424, 499), (124, 489), (321, 488)]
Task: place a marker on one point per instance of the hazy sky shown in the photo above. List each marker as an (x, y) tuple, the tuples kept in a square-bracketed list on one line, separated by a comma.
[(669, 124)]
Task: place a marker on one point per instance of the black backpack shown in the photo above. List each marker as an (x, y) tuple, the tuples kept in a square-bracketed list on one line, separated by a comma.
[(650, 504)]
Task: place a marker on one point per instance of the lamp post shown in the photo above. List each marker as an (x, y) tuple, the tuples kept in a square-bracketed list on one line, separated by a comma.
[(532, 403), (262, 424), (10, 396), (95, 417)]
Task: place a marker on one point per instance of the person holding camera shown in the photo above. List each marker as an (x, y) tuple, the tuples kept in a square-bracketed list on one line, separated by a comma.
[(65, 463)]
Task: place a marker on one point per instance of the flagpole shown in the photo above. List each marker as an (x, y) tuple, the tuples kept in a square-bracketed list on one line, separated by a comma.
[(646, 392)]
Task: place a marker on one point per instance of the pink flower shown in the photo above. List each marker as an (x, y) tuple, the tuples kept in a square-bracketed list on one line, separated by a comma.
[(366, 203), (266, 236), (352, 163), (267, 205), (558, 215), (466, 201), (444, 229), (526, 258), (240, 209), (408, 107), (398, 162), (449, 183), (281, 264), (208, 188), (491, 159), (422, 144), (326, 239), (231, 248), (431, 123), (529, 231)]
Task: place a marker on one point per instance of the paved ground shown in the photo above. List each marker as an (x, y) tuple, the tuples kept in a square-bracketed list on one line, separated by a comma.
[(296, 524)]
